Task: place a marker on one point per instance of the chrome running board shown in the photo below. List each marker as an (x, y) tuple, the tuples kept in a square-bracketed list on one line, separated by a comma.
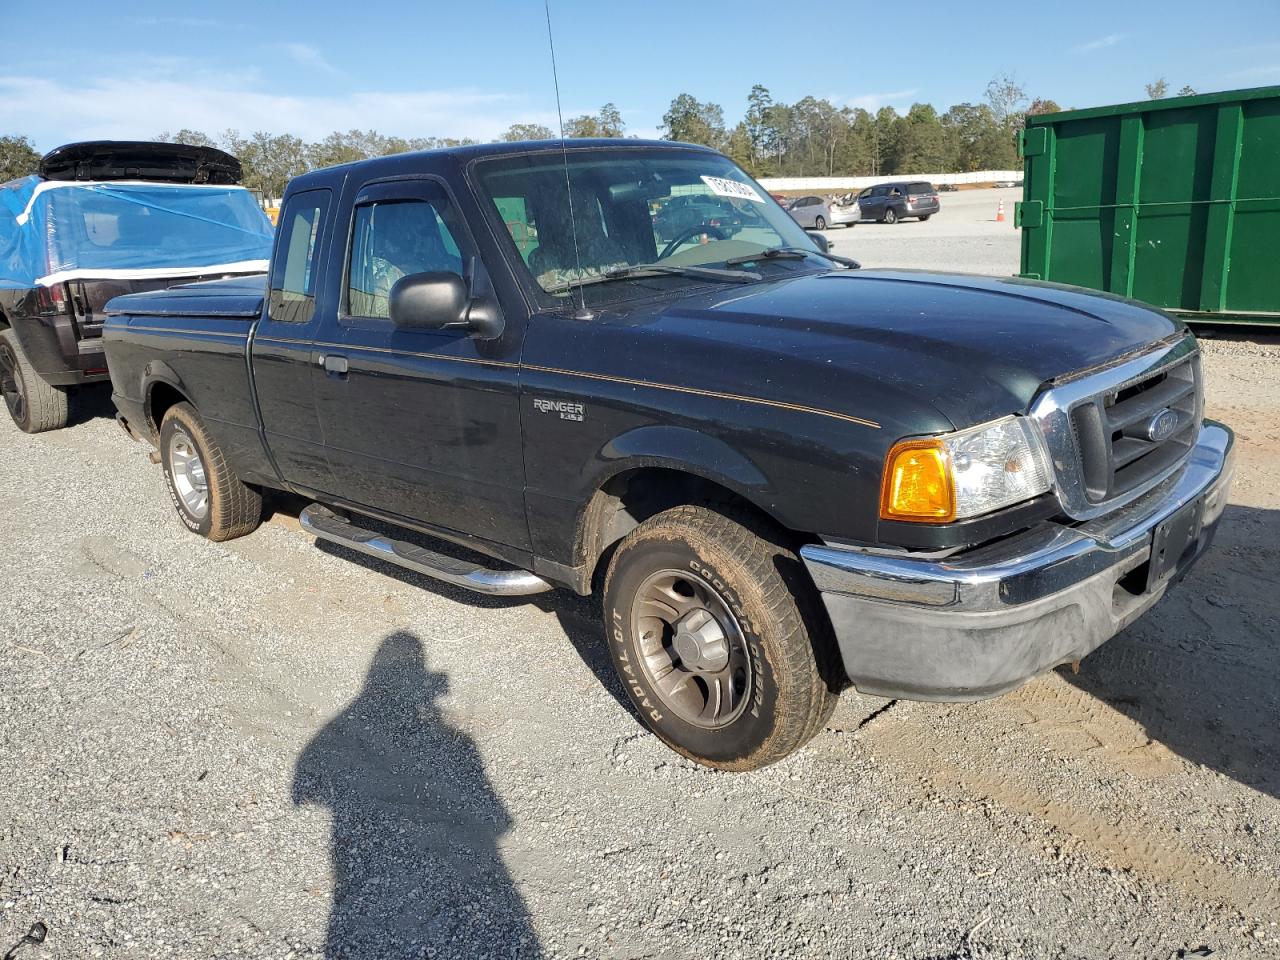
[(324, 524)]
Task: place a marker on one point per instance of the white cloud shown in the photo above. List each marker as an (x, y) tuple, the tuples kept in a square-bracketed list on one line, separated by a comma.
[(307, 56), (874, 101), (1110, 40), (169, 95)]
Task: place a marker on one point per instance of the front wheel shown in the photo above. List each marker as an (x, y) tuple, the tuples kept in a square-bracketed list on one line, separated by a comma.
[(820, 223), (890, 216), (34, 405), (211, 500), (714, 633)]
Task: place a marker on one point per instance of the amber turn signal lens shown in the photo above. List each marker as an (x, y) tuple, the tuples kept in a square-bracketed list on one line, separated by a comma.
[(917, 483)]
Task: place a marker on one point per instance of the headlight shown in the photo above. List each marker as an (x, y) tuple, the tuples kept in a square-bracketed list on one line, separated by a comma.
[(964, 474)]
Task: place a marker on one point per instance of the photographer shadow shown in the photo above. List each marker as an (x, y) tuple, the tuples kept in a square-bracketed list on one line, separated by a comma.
[(416, 824)]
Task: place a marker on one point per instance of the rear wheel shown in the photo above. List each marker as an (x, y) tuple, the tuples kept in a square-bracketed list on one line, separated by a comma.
[(709, 628), (35, 405), (820, 223), (211, 500), (890, 215), (925, 216)]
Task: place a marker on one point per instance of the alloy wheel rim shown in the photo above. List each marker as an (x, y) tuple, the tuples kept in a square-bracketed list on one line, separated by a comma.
[(692, 649), (11, 383), (189, 479)]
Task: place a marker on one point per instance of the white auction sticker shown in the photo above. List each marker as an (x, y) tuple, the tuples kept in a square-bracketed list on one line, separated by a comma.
[(732, 188)]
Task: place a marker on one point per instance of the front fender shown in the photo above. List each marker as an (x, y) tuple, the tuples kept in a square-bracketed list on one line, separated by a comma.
[(683, 449)]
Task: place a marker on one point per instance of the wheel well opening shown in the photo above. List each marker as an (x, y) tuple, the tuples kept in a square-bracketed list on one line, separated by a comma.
[(160, 398), (629, 499)]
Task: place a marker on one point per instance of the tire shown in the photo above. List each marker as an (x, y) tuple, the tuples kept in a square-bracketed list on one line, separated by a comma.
[(890, 215), (34, 405), (925, 216), (819, 223), (190, 455), (751, 629)]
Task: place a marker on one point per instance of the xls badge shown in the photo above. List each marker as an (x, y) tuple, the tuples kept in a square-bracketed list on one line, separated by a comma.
[(567, 409)]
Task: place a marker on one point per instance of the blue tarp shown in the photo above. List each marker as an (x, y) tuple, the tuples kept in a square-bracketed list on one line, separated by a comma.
[(59, 230)]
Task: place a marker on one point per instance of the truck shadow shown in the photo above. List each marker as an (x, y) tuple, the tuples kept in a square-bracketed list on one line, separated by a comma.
[(579, 617), (1200, 672), (415, 823), (91, 402)]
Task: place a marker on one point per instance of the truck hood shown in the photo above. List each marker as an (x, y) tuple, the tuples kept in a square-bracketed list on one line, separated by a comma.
[(230, 297), (975, 347)]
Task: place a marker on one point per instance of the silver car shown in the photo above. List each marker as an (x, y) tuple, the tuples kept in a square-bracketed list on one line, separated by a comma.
[(818, 213)]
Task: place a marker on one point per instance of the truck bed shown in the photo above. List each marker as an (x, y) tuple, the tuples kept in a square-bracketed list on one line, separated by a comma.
[(196, 335)]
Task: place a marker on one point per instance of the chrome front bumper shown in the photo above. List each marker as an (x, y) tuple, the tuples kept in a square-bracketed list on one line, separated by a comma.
[(981, 623)]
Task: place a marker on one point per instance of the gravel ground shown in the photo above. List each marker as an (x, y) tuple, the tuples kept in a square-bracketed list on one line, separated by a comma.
[(268, 749)]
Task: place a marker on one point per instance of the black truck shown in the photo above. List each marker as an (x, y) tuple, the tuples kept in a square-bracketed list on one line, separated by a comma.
[(781, 474)]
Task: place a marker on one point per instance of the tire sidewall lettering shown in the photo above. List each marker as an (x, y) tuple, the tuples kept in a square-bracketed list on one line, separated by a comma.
[(755, 723), (200, 527)]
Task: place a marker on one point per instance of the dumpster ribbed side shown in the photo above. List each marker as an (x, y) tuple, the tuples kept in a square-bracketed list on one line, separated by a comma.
[(1172, 202)]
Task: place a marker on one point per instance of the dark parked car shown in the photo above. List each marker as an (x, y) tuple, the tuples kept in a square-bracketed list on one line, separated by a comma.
[(891, 202), (98, 220), (781, 474)]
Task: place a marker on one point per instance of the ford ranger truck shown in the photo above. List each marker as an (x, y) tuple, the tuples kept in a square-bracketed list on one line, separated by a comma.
[(98, 220), (782, 475)]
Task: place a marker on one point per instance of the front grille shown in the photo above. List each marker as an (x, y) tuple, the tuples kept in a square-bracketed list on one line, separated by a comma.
[(1114, 433), (1118, 453)]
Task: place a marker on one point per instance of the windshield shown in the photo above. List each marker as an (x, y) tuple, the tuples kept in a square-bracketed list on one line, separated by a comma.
[(635, 207)]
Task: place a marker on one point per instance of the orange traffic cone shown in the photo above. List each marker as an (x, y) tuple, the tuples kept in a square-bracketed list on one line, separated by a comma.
[(1000, 212)]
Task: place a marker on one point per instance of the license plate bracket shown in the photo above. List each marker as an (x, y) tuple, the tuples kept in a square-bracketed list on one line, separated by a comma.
[(1171, 540)]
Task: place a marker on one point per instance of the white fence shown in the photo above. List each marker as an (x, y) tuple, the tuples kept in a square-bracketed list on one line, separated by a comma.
[(843, 184)]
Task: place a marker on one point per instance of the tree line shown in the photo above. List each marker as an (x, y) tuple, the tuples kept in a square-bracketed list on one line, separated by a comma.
[(815, 138), (812, 137)]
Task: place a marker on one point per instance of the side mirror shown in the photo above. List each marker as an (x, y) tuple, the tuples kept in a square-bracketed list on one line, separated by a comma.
[(819, 241), (429, 301), (439, 301)]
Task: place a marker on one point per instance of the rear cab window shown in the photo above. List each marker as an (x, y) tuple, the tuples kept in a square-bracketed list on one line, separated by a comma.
[(296, 265), (919, 189)]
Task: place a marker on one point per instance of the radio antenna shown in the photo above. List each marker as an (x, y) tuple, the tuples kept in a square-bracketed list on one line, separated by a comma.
[(564, 153)]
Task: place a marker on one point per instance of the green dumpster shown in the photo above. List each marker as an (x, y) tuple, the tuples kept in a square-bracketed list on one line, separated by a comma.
[(1175, 202)]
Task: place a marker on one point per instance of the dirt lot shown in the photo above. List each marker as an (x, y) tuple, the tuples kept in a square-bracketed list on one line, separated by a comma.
[(257, 748)]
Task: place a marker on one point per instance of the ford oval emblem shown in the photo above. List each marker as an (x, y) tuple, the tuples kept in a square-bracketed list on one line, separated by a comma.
[(1162, 425)]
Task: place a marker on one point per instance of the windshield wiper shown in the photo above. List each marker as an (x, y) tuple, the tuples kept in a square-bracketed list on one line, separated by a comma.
[(641, 269), (792, 253)]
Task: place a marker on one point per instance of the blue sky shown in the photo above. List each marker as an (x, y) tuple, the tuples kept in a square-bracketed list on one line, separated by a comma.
[(134, 69)]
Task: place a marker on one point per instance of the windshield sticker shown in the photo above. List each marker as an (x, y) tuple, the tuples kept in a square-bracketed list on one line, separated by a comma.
[(732, 189)]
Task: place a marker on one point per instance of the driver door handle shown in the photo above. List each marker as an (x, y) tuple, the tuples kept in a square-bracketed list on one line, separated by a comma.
[(333, 364)]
